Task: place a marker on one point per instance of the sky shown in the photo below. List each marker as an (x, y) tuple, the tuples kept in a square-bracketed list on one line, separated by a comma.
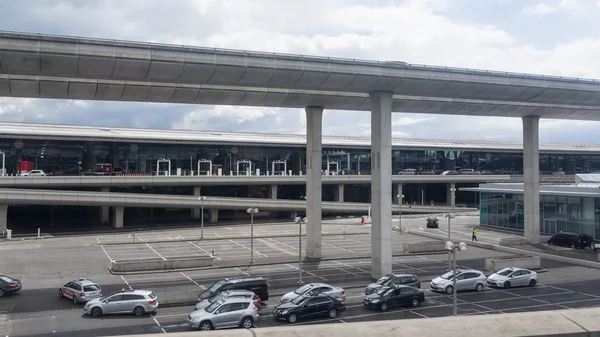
[(553, 37)]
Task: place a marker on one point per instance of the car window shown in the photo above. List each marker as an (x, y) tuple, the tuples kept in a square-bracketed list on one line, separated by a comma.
[(406, 291), (6, 279), (132, 297), (518, 273), (383, 280), (413, 279), (323, 300), (313, 301), (115, 298), (303, 289), (525, 272), (325, 289), (505, 272), (471, 275), (395, 280), (91, 287), (225, 308), (76, 286), (460, 277), (216, 287)]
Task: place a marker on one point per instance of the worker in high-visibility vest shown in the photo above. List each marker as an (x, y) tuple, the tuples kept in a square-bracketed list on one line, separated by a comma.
[(474, 237)]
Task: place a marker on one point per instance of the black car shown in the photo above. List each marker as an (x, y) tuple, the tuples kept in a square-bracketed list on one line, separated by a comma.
[(572, 240), (391, 296), (309, 306), (394, 279), (9, 285), (257, 285), (432, 222)]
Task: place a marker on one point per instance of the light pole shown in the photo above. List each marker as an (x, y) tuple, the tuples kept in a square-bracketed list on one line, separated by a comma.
[(450, 216), (400, 198), (252, 211), (452, 249), (300, 221), (201, 199)]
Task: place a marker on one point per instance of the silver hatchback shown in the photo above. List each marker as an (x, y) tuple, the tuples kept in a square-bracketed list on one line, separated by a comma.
[(81, 290), (137, 302), (226, 313)]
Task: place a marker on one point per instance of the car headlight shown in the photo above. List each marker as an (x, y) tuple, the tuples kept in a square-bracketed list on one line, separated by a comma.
[(375, 301), (195, 319), (285, 312)]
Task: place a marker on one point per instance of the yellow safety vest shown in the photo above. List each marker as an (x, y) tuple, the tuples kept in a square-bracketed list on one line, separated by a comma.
[(474, 232)]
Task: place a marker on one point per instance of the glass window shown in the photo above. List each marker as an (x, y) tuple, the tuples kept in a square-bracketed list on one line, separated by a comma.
[(91, 287), (115, 298)]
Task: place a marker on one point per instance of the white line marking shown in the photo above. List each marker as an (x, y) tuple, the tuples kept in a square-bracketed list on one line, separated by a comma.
[(241, 245), (162, 257), (106, 253), (180, 237), (306, 271), (350, 266), (196, 283), (204, 250), (242, 272), (341, 320), (163, 330), (217, 234), (127, 283), (334, 246)]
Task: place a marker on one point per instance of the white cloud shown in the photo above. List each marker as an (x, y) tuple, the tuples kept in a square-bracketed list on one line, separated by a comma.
[(539, 9)]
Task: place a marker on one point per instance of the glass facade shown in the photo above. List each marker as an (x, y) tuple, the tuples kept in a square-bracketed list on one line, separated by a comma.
[(557, 213)]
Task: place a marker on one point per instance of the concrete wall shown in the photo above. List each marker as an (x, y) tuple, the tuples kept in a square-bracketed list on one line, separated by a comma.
[(426, 246), (178, 298), (145, 265), (512, 241), (559, 323), (528, 262)]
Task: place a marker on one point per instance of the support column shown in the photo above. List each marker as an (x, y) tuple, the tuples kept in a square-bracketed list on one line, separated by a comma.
[(104, 217), (381, 184), (397, 190), (531, 178), (196, 211), (3, 216), (214, 215), (451, 195), (118, 216), (273, 191), (339, 193), (314, 165)]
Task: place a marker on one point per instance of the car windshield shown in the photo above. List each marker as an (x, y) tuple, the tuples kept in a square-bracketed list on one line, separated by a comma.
[(215, 287), (303, 289), (109, 295), (213, 306), (216, 298), (383, 280), (448, 275), (298, 300), (91, 287), (383, 291), (505, 272), (6, 279)]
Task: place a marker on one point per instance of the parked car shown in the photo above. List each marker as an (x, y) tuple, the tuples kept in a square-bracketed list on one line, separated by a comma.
[(394, 279), (513, 277), (9, 285), (137, 302), (596, 247), (307, 307), (33, 173), (313, 289), (466, 279), (432, 222), (257, 285), (449, 173), (81, 290), (226, 313), (427, 172), (231, 294), (572, 240), (468, 171), (390, 296)]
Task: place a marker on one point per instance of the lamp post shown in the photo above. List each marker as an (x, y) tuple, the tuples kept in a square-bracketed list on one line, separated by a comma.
[(450, 216), (400, 198), (452, 249), (252, 211), (201, 199), (300, 221)]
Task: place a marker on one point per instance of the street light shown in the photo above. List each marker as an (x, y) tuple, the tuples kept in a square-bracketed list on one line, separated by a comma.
[(452, 248), (450, 216), (300, 221), (400, 198), (202, 199), (252, 211)]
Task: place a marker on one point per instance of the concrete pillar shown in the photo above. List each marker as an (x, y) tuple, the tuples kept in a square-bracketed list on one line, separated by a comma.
[(397, 191), (339, 193), (531, 178), (314, 165), (451, 195), (104, 209), (196, 211), (3, 216), (118, 216), (273, 191), (381, 183), (214, 215)]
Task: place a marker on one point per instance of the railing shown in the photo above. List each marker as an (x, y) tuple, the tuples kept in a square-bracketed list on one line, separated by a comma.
[(550, 179)]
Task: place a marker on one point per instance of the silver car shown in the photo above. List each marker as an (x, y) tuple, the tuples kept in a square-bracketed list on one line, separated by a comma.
[(466, 279), (226, 313), (137, 302), (312, 289), (230, 294), (513, 277), (81, 290)]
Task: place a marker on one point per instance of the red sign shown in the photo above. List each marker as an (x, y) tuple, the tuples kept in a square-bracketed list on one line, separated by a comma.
[(409, 205)]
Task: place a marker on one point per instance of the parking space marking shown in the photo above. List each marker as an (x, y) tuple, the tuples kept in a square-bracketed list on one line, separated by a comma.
[(241, 245), (162, 257), (284, 244), (127, 283), (242, 272), (105, 252), (349, 266), (329, 244), (155, 321), (305, 271), (418, 314), (196, 283)]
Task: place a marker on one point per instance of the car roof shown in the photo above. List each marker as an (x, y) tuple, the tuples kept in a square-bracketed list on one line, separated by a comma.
[(513, 269), (85, 282), (403, 275), (315, 285), (236, 292), (234, 299), (244, 279)]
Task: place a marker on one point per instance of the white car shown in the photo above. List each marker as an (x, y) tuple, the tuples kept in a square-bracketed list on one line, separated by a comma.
[(466, 279), (33, 173), (513, 277), (596, 247)]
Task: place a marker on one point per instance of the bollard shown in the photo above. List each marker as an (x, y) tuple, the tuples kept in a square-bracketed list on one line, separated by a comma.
[(38, 233)]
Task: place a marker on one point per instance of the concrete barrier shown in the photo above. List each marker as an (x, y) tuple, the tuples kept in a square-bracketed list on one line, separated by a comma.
[(528, 262), (149, 265), (426, 246), (513, 241), (178, 298), (559, 323)]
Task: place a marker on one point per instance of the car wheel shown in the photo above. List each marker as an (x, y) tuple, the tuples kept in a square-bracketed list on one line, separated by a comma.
[(550, 243), (60, 293), (75, 301), (573, 246), (139, 311), (1, 292), (415, 302), (247, 322), (384, 306), (96, 312), (205, 326), (479, 287), (292, 318), (506, 285), (449, 290), (532, 283), (332, 313)]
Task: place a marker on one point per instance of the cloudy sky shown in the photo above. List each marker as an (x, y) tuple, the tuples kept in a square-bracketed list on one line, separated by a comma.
[(557, 37)]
